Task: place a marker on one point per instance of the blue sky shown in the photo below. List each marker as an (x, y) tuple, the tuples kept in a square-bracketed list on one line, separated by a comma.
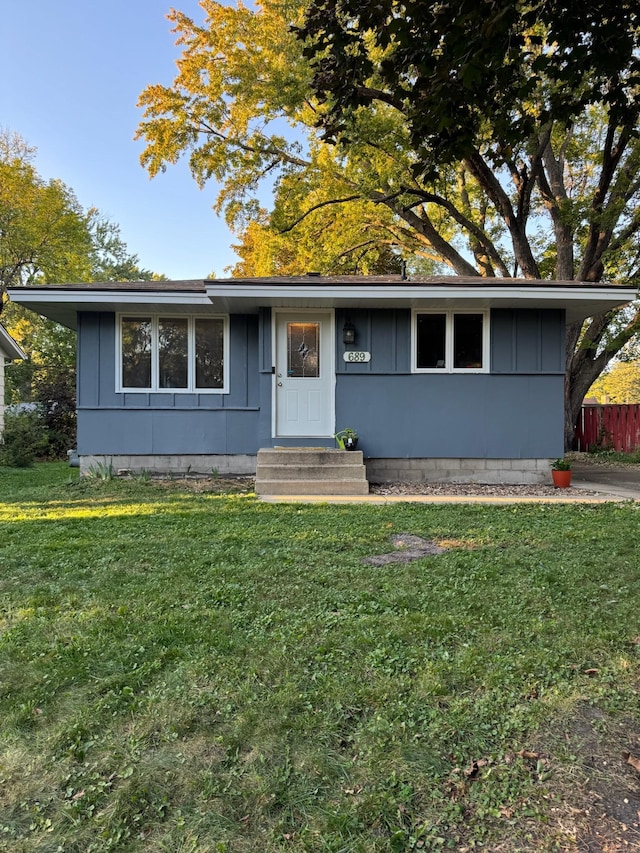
[(70, 76)]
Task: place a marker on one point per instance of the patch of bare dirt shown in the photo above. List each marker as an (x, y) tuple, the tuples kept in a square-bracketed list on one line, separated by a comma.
[(215, 485), (596, 790), (409, 547)]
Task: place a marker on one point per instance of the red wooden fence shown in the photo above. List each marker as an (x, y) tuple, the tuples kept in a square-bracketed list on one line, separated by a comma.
[(613, 427)]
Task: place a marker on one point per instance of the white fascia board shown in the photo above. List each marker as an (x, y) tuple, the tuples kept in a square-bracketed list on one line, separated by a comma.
[(104, 297), (9, 348), (62, 305), (385, 293), (579, 302)]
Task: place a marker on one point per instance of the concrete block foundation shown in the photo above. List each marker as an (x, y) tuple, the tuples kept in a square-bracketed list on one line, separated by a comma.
[(481, 471), (380, 470), (219, 464)]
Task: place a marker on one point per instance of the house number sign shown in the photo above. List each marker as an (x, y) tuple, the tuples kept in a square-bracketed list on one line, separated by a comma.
[(354, 355)]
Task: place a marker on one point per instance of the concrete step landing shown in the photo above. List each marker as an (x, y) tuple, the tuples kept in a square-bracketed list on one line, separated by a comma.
[(303, 471)]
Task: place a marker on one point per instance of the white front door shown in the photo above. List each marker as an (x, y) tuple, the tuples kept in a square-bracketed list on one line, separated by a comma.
[(304, 375)]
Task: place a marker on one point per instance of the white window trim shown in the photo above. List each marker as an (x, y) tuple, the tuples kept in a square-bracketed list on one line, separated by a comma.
[(155, 318), (449, 314)]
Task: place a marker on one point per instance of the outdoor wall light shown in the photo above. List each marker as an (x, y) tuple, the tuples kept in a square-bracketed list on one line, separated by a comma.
[(348, 333)]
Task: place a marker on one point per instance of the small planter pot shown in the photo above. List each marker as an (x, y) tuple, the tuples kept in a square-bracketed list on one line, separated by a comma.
[(561, 479), (350, 443)]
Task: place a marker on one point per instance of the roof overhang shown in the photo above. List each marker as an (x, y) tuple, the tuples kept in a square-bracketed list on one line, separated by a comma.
[(9, 348), (230, 296), (63, 306), (578, 302)]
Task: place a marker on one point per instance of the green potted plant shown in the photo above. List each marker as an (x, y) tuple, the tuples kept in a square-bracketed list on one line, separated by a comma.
[(561, 473), (347, 439)]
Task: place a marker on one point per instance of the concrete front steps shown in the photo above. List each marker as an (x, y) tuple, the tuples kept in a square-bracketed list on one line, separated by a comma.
[(310, 471)]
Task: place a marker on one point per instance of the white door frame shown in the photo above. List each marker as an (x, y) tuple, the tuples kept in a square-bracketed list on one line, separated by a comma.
[(328, 360)]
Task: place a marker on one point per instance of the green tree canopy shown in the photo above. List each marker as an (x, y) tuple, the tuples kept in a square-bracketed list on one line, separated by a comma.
[(46, 237), (44, 233), (491, 139)]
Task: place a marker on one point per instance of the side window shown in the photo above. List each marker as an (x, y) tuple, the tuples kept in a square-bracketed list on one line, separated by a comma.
[(135, 336), (468, 341), (450, 341), (173, 352), (209, 352), (163, 353), (431, 341)]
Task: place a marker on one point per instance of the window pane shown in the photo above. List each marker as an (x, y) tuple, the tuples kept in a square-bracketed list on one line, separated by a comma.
[(467, 340), (136, 352), (173, 337), (209, 353), (431, 335), (303, 350)]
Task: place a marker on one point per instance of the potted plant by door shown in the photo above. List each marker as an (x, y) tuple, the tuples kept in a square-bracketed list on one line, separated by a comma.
[(347, 439), (561, 473)]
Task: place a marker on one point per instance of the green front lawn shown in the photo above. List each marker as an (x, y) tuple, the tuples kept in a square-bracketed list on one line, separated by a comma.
[(187, 671)]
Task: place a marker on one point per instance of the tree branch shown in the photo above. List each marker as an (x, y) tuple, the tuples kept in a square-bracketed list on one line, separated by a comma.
[(235, 142), (423, 225), (317, 207), (491, 185), (591, 267), (366, 93), (554, 196), (467, 224)]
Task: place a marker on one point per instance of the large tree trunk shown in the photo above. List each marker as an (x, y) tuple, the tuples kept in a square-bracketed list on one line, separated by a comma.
[(576, 384), (586, 361)]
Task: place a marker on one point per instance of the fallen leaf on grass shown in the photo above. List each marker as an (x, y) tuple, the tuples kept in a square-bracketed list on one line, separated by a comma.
[(632, 760), (525, 753), (591, 672)]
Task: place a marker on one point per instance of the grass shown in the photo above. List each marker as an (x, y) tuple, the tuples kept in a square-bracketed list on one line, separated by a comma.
[(203, 672), (616, 457)]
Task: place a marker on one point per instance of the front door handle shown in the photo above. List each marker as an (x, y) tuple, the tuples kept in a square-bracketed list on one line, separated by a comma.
[(280, 384)]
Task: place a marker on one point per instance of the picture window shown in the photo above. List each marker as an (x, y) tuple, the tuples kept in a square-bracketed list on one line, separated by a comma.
[(165, 353)]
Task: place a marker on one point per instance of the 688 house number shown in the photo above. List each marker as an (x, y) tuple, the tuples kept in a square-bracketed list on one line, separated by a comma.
[(355, 355)]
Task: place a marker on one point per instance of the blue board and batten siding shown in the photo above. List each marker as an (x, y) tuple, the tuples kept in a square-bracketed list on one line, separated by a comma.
[(111, 423), (514, 411)]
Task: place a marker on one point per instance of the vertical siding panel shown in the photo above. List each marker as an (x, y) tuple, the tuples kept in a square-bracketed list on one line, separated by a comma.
[(237, 362), (253, 395), (89, 358), (403, 349), (264, 340), (503, 340), (394, 342), (552, 340), (527, 342), (106, 376)]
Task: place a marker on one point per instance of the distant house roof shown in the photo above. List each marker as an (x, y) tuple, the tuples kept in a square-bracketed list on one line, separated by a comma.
[(241, 295), (8, 347)]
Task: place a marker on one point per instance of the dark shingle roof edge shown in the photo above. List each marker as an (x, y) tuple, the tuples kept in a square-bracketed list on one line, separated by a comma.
[(200, 285)]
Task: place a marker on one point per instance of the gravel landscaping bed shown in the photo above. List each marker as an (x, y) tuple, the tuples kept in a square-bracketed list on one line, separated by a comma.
[(475, 490)]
